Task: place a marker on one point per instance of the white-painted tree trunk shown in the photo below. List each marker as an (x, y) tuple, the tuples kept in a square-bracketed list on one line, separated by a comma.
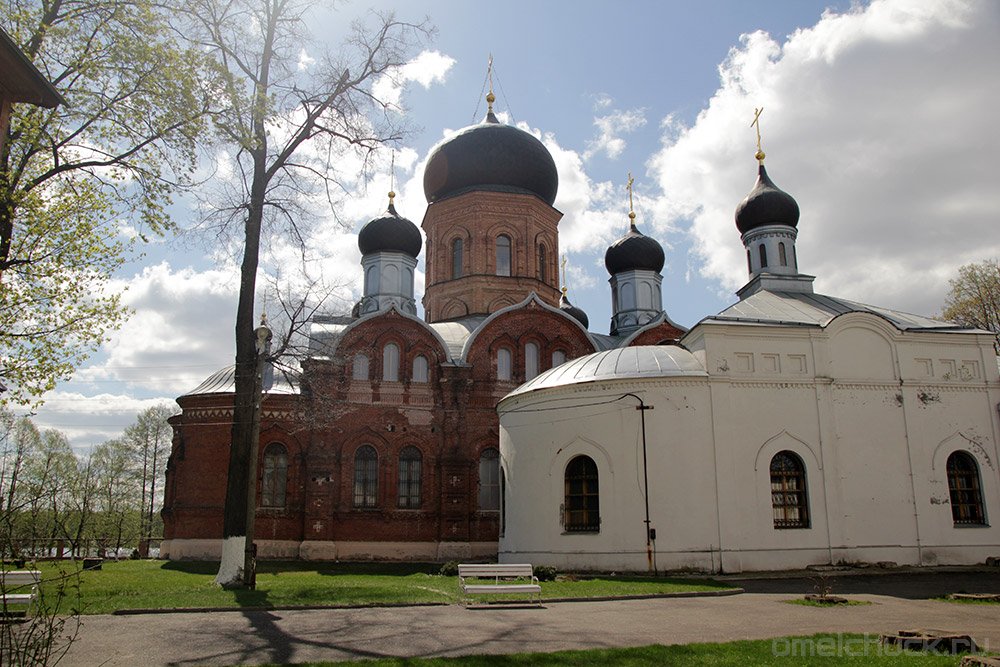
[(231, 567)]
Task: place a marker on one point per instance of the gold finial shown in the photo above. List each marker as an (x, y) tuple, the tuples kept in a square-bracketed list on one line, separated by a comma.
[(631, 210), (490, 97), (564, 288), (756, 123)]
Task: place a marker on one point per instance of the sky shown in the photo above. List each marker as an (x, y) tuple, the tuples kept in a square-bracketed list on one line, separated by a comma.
[(879, 118)]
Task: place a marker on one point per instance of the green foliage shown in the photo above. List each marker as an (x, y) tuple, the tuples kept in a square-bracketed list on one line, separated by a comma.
[(82, 184), (545, 573), (46, 633), (974, 299), (449, 569)]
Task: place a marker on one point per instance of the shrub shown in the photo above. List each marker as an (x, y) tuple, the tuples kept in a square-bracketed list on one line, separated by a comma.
[(545, 573), (449, 569)]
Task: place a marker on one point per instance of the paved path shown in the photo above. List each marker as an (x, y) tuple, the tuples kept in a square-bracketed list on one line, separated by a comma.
[(231, 638)]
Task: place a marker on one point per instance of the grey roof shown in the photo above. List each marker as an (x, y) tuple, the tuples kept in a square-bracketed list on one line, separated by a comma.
[(642, 361), (324, 333), (224, 382), (456, 332), (808, 309)]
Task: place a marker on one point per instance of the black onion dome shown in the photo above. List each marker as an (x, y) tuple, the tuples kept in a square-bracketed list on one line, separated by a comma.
[(491, 156), (573, 311), (766, 204), (634, 251), (391, 232)]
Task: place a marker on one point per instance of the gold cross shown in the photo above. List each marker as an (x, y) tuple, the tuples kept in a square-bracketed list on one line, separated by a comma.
[(490, 97), (564, 275), (756, 123)]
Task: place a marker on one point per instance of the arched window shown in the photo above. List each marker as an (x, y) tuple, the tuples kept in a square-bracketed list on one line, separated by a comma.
[(504, 364), (530, 361), (749, 264), (628, 296), (782, 258), (456, 258), (966, 490), (541, 263), (489, 480), (582, 504), (274, 478), (390, 363), (503, 255), (409, 478), (788, 491), (419, 368), (558, 358), (763, 256), (365, 477), (371, 280), (360, 370)]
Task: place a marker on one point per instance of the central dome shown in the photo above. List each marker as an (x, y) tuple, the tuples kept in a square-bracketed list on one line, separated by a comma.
[(491, 156)]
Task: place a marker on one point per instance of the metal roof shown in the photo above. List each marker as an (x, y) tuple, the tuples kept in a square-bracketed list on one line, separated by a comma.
[(455, 333), (642, 361), (808, 309), (224, 382)]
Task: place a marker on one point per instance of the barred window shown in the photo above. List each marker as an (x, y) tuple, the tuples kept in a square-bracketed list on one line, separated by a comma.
[(489, 480), (456, 258), (365, 477), (542, 274), (582, 505), (966, 490), (788, 491), (274, 478), (409, 478)]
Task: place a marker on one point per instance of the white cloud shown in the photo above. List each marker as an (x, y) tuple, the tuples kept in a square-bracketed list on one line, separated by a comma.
[(880, 122), (427, 68), (611, 129)]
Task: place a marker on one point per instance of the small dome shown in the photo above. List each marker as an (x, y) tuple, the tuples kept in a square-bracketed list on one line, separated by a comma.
[(573, 311), (390, 233), (491, 156), (766, 205), (634, 251)]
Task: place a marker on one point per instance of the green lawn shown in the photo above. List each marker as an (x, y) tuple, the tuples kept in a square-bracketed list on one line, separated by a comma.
[(154, 584), (809, 651)]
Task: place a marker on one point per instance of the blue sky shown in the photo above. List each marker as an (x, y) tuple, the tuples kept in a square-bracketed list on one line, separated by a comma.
[(878, 118)]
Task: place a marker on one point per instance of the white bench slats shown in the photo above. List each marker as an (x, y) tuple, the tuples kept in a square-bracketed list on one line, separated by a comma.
[(12, 583), (501, 574)]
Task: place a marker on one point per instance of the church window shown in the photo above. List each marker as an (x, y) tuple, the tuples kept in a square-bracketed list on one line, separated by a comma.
[(420, 368), (966, 490), (489, 480), (530, 361), (456, 258), (504, 365), (582, 505), (782, 258), (409, 478), (360, 369), (390, 363), (628, 296), (503, 255), (763, 256), (274, 478), (749, 264), (788, 491), (558, 358), (371, 280), (541, 262), (365, 477)]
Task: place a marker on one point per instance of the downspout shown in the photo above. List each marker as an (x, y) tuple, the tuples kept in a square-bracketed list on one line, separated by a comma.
[(642, 407)]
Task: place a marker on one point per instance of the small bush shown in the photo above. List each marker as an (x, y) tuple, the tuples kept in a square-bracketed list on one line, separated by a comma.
[(449, 569), (545, 573)]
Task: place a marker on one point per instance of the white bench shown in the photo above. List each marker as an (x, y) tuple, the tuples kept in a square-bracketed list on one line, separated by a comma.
[(18, 588), (504, 577)]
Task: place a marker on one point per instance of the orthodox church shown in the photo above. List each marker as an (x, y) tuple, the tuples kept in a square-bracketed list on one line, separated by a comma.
[(791, 429), (387, 444)]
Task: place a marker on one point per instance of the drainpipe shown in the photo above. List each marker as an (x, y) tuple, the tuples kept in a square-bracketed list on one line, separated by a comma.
[(642, 407)]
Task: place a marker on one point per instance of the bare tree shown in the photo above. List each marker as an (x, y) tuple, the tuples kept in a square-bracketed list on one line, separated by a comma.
[(974, 300), (286, 118)]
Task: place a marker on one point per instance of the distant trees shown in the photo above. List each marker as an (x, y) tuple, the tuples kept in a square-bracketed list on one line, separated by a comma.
[(107, 500), (974, 299)]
